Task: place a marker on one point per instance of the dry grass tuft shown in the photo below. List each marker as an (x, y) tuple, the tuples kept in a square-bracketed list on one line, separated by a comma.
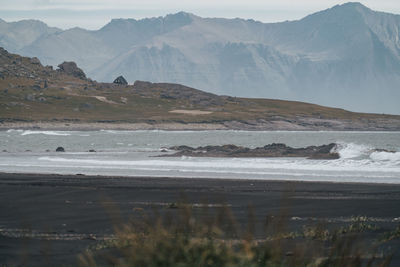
[(180, 238)]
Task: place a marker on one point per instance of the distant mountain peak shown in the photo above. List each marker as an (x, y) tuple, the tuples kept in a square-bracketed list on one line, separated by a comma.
[(77, 29), (181, 14), (347, 13), (176, 20), (353, 4), (182, 18), (178, 15), (356, 6), (31, 21)]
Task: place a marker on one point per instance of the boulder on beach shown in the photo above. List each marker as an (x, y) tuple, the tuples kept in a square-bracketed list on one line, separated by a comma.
[(60, 149)]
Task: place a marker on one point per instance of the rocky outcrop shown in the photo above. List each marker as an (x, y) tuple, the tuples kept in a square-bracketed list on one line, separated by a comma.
[(70, 68), (120, 80), (15, 66), (272, 150), (35, 61), (60, 149)]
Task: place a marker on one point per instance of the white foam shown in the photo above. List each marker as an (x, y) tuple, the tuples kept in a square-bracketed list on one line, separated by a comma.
[(351, 150), (234, 164), (386, 156), (249, 173), (58, 133)]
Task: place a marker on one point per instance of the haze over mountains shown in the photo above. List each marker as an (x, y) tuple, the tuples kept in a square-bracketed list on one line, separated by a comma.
[(347, 56)]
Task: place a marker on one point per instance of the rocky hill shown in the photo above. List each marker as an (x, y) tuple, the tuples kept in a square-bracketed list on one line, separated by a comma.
[(33, 95), (347, 56)]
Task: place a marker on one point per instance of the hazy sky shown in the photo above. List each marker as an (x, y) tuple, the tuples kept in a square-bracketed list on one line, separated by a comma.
[(93, 14)]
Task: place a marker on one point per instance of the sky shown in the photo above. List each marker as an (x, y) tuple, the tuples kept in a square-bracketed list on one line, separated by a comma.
[(93, 14)]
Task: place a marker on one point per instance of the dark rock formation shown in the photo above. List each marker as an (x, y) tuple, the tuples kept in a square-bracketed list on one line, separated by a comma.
[(120, 80), (71, 68), (273, 150), (35, 61), (60, 149)]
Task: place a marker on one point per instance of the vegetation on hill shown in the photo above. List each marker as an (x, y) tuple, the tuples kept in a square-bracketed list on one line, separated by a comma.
[(30, 92)]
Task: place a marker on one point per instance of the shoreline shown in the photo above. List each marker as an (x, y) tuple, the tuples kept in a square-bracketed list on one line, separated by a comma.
[(110, 126), (191, 179), (176, 126)]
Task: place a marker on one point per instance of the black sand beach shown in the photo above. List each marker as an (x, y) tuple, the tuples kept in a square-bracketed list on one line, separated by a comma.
[(46, 220)]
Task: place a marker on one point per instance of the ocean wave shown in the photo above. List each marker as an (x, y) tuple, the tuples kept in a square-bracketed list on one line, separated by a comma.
[(58, 133), (386, 156), (366, 154), (14, 131), (154, 171), (351, 150), (248, 163)]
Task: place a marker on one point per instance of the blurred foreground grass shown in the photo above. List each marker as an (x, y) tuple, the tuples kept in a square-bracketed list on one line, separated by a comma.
[(180, 238)]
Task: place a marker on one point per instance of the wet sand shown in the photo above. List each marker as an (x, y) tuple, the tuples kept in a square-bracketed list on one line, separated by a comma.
[(49, 219)]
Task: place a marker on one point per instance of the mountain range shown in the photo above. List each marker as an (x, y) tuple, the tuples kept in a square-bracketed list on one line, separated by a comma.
[(347, 56)]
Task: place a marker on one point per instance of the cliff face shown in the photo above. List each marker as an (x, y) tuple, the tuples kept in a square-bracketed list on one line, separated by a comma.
[(347, 56)]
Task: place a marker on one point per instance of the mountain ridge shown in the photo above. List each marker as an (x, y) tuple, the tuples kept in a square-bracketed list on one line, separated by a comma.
[(346, 56)]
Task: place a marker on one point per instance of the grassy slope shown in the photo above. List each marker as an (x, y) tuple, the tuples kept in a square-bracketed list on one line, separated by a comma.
[(71, 99), (79, 104)]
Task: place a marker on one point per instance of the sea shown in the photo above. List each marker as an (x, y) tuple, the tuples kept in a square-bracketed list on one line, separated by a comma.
[(136, 154)]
